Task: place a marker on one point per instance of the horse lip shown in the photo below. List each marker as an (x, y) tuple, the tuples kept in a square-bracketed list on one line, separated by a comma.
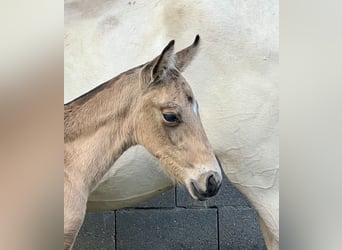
[(199, 194)]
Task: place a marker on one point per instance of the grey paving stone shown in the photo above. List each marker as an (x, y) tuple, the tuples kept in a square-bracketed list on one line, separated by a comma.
[(239, 229), (165, 200), (97, 232), (227, 196), (166, 229)]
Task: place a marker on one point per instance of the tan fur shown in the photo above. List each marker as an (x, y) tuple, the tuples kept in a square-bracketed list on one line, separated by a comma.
[(128, 110)]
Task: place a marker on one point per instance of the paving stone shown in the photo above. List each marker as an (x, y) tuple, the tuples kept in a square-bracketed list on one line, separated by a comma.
[(239, 229), (97, 232), (166, 229), (165, 200), (228, 195)]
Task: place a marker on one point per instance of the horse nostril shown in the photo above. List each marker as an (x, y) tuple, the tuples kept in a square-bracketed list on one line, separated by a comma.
[(212, 186)]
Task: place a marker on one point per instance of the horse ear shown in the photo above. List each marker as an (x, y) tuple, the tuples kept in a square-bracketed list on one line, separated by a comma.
[(163, 62), (185, 56)]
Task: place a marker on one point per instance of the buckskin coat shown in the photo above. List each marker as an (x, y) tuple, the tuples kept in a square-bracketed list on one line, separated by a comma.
[(234, 77)]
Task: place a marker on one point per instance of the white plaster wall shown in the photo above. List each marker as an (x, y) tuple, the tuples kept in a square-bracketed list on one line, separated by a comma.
[(234, 78)]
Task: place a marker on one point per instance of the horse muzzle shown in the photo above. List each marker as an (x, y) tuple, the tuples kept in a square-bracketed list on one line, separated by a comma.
[(213, 182)]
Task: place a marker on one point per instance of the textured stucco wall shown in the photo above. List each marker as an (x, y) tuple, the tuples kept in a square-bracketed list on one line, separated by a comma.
[(234, 79)]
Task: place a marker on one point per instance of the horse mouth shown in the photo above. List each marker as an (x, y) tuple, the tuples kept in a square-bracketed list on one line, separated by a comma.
[(200, 195), (204, 195)]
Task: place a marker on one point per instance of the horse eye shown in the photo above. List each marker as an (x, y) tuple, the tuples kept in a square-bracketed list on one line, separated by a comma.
[(169, 117)]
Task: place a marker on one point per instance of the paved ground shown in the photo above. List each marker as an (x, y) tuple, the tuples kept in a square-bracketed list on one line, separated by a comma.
[(174, 221)]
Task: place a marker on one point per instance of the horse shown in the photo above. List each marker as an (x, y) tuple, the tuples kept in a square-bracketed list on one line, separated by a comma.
[(151, 105), (235, 79)]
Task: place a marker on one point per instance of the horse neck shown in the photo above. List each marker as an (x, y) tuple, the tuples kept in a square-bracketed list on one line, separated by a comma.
[(99, 128)]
